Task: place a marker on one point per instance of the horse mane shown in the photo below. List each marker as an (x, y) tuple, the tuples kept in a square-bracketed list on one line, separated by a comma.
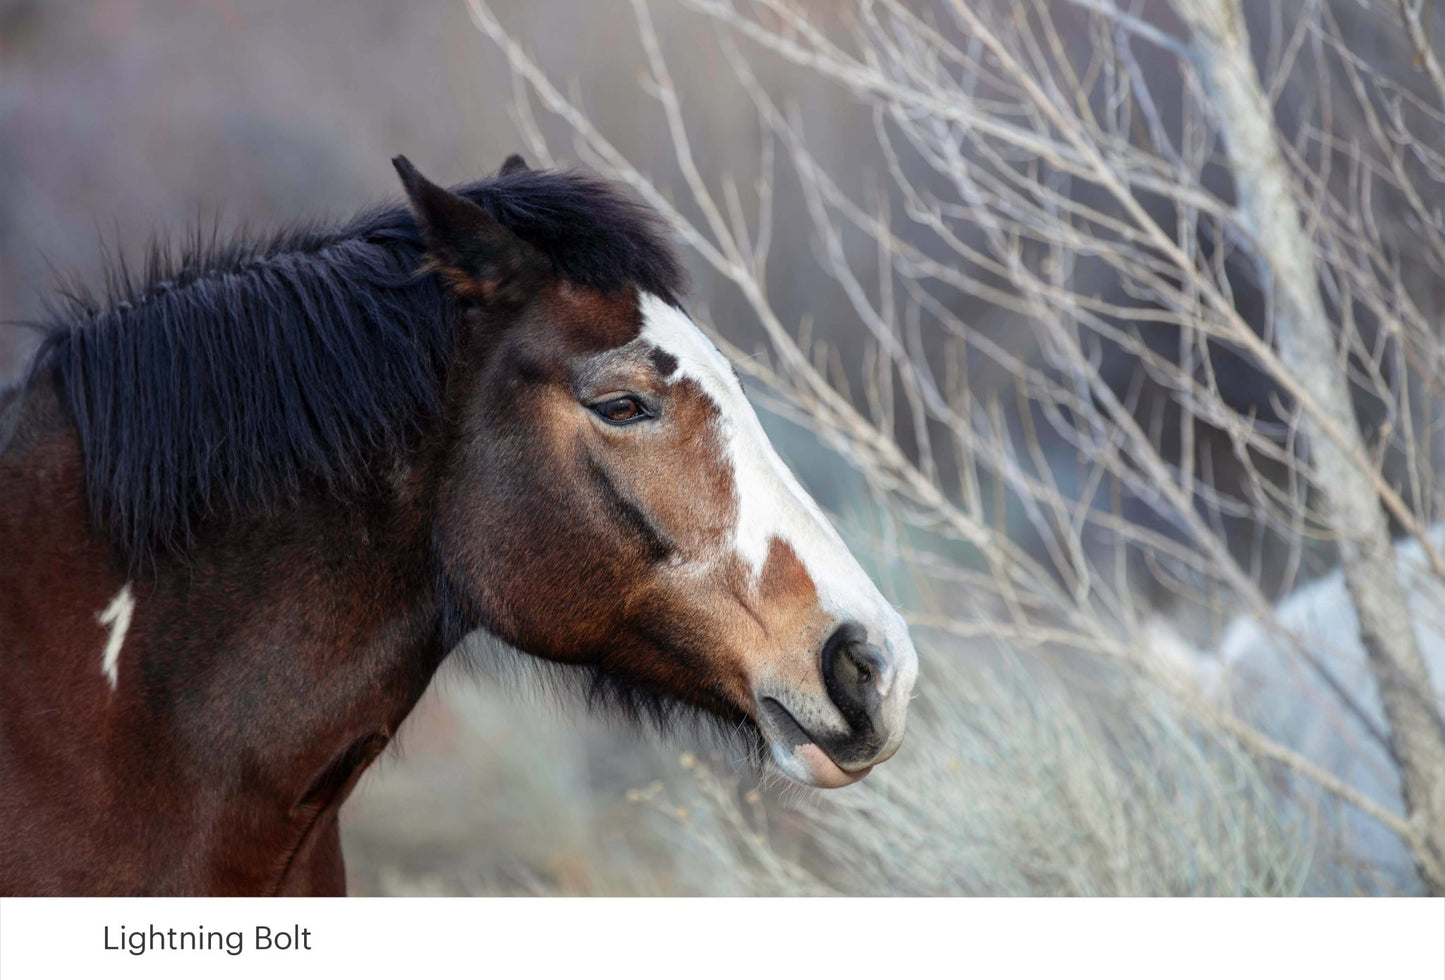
[(224, 374)]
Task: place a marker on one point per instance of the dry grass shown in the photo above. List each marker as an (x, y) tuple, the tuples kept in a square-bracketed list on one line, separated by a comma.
[(1006, 787)]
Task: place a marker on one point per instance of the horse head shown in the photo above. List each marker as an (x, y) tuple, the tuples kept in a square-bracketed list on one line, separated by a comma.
[(609, 500)]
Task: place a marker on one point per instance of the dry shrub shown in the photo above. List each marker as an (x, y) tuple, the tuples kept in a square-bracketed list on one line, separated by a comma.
[(1120, 317)]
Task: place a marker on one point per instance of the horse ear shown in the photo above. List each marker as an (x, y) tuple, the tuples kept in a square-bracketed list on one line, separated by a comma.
[(514, 164), (483, 259)]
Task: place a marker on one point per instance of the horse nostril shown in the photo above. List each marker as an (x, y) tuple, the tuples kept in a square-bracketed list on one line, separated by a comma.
[(851, 667)]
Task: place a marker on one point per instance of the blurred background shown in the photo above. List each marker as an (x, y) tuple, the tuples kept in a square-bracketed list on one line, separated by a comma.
[(1002, 309)]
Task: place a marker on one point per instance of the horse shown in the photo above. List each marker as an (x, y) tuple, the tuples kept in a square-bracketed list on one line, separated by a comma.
[(252, 496)]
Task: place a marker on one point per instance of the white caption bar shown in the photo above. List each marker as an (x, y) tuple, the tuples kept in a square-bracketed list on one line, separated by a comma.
[(883, 938)]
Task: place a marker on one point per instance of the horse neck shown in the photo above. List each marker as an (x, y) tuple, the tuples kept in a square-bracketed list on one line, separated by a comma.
[(252, 681)]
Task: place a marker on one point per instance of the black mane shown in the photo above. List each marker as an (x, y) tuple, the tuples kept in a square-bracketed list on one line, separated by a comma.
[(221, 378)]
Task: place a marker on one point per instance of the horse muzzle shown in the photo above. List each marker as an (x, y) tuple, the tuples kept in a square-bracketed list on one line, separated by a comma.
[(834, 737)]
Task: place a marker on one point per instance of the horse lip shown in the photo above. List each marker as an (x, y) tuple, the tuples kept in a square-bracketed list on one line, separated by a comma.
[(782, 725), (782, 728)]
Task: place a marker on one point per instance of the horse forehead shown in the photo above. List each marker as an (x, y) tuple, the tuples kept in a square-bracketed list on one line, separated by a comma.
[(589, 321), (675, 343)]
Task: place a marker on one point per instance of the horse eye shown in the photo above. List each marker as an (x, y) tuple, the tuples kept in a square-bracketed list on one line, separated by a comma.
[(622, 410)]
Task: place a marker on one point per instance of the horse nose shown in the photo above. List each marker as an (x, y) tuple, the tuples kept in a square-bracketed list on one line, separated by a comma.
[(856, 675)]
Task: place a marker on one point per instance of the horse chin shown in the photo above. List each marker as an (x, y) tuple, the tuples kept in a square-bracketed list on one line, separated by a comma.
[(810, 766)]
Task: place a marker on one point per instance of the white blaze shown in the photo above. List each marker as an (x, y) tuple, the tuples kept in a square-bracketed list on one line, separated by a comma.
[(116, 618), (771, 502)]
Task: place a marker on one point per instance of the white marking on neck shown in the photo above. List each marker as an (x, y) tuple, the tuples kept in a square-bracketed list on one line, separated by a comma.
[(771, 502), (116, 618)]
